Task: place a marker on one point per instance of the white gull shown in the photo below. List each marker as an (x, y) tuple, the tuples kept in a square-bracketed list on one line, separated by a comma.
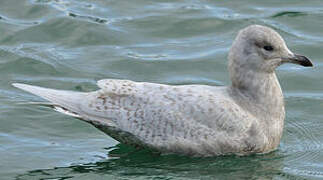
[(199, 120)]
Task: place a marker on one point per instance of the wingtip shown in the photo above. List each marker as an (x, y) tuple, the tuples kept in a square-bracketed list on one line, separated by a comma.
[(17, 85), (20, 85), (68, 101), (30, 88)]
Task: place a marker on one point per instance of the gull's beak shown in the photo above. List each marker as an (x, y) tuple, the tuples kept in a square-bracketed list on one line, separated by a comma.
[(298, 59)]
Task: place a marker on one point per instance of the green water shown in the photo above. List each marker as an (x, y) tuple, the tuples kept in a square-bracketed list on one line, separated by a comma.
[(70, 44)]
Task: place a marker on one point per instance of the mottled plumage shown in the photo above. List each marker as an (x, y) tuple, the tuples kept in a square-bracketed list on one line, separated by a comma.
[(246, 117)]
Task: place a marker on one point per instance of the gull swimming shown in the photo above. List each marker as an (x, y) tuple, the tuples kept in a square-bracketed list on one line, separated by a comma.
[(243, 118)]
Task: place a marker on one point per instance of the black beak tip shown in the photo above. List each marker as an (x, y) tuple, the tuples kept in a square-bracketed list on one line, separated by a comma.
[(302, 60), (307, 64)]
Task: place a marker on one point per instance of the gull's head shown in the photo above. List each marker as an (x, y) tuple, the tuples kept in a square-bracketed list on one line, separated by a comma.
[(259, 48)]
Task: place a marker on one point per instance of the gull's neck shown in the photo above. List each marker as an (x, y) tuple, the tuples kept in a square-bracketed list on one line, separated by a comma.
[(261, 95), (261, 88), (257, 86)]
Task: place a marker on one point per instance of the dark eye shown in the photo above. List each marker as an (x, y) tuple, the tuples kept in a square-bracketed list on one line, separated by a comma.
[(268, 48)]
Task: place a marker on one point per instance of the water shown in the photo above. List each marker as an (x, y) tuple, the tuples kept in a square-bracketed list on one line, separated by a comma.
[(70, 44)]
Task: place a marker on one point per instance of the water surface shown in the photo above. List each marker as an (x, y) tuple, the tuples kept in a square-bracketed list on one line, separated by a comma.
[(70, 44)]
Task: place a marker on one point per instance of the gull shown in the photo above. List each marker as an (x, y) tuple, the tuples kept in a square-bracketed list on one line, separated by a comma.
[(246, 117)]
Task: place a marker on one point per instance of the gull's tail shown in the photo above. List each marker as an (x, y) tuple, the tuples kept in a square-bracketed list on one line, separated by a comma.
[(67, 102)]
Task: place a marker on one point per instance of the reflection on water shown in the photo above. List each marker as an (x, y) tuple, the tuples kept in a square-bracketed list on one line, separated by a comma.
[(141, 164)]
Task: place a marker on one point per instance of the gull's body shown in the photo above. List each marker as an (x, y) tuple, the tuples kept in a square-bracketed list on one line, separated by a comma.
[(246, 117)]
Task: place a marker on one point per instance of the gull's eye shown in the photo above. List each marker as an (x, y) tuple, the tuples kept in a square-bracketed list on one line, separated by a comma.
[(268, 48)]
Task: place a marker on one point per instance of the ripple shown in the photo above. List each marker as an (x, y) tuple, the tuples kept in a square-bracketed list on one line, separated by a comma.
[(176, 49), (57, 4), (305, 95), (303, 132), (41, 52), (308, 146), (146, 57), (181, 80), (292, 31), (303, 172), (18, 22), (69, 6), (89, 18), (289, 14)]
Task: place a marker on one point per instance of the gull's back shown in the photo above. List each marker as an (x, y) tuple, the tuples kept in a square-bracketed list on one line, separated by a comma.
[(189, 119)]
